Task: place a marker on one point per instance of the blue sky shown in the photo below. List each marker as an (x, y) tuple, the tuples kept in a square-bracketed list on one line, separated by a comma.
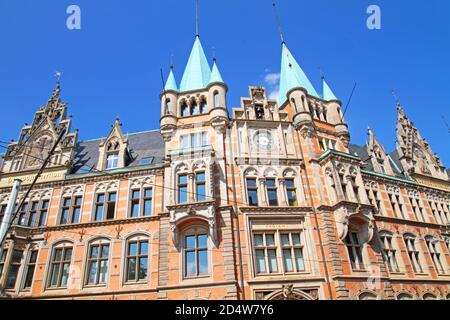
[(111, 66)]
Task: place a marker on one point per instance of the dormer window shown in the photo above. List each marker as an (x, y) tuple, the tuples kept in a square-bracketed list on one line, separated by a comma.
[(112, 161)]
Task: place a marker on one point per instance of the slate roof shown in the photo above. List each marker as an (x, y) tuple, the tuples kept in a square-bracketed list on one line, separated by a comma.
[(142, 145)]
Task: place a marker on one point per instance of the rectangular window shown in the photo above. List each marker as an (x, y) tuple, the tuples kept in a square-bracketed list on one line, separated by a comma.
[(31, 266), (390, 254), (435, 255), (194, 140), (354, 248), (23, 214), (182, 188), (135, 199), (112, 162), (291, 192), (137, 261), (2, 260), (111, 206), (43, 213), (14, 269), (265, 253), (148, 202), (99, 207), (59, 267), (252, 192), (200, 186), (292, 250), (196, 255), (76, 210), (98, 264), (413, 254), (33, 214), (272, 195), (65, 213)]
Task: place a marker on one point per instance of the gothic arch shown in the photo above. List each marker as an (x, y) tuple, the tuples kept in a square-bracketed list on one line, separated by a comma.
[(288, 293)]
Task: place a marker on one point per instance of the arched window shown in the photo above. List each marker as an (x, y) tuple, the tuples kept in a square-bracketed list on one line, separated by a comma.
[(168, 106), (98, 262), (194, 108), (216, 99), (203, 106), (429, 296), (435, 253), (137, 259), (413, 252), (184, 110), (405, 296), (355, 250), (195, 252), (367, 296), (389, 251), (60, 262)]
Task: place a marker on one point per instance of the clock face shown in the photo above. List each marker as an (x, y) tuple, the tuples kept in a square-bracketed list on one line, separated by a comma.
[(264, 140)]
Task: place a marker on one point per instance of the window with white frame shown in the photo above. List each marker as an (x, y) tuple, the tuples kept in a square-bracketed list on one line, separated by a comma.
[(182, 188), (98, 263), (272, 192), (141, 202), (194, 140), (389, 252), (355, 251), (60, 265), (105, 206), (137, 259), (413, 252), (200, 186), (252, 192), (433, 248), (291, 192), (112, 161)]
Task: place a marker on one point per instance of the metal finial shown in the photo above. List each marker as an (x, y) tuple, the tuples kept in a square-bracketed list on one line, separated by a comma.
[(58, 75), (197, 34), (278, 22)]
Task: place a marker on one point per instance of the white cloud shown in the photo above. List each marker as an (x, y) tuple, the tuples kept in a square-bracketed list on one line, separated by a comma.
[(272, 78), (274, 94)]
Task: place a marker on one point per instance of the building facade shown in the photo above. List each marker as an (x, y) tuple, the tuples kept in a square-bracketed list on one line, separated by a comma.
[(265, 201)]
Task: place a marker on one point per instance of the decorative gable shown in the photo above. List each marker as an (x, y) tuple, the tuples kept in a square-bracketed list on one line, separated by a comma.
[(113, 151), (36, 140), (380, 160), (415, 153)]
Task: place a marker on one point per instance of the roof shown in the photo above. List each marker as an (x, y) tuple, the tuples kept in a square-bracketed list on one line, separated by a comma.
[(142, 145), (198, 72), (215, 75), (171, 83), (292, 76), (328, 94)]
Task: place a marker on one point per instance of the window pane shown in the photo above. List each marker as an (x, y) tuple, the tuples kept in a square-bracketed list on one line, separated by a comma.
[(201, 192), (68, 254), (12, 277), (99, 213), (200, 177), (251, 182), (147, 208), (270, 240), (296, 239), (252, 197), (203, 262), (272, 261), (148, 193), (112, 197), (76, 215), (103, 271), (100, 198), (202, 241), (182, 179), (105, 251), (270, 183), (65, 274), (182, 196), (259, 242), (95, 252), (135, 210), (300, 264), (143, 266), (190, 264), (273, 198), (260, 263), (131, 275), (144, 248), (287, 260), (54, 275), (132, 249), (190, 242), (78, 201), (58, 255), (285, 239)]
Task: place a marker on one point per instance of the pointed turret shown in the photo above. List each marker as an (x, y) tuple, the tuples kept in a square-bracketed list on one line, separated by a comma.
[(198, 72), (292, 76), (216, 77), (171, 83), (328, 94)]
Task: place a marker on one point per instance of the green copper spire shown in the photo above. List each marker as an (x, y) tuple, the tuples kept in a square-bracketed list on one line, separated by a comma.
[(215, 74), (292, 76), (171, 84), (197, 72), (328, 94)]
